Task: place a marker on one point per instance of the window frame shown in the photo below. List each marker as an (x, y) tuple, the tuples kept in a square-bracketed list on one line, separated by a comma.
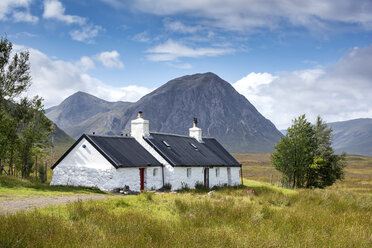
[(188, 173)]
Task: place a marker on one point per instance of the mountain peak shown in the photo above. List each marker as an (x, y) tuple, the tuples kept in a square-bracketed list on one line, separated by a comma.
[(222, 112)]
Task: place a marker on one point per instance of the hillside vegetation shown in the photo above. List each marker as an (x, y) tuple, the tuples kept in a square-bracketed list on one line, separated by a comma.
[(255, 215)]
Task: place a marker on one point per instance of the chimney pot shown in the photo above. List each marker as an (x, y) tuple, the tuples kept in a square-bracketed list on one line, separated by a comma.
[(195, 131), (139, 128)]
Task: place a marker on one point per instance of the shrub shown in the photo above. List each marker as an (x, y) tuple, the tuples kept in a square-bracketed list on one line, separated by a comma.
[(167, 187), (185, 186), (200, 186)]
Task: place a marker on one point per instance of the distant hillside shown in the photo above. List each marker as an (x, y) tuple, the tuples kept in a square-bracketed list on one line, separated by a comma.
[(78, 108), (222, 113), (353, 136), (61, 140)]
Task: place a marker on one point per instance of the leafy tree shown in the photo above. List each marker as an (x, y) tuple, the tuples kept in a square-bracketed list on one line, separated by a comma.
[(327, 167), (305, 156), (33, 130), (295, 152), (23, 125), (14, 73)]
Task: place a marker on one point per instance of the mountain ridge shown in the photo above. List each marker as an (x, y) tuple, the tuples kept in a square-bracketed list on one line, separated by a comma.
[(222, 113), (353, 136)]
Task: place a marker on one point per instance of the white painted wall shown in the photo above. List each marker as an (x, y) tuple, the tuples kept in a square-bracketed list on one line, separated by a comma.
[(179, 176), (87, 167)]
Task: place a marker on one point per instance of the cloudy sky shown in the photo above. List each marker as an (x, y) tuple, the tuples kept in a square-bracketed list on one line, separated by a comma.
[(287, 57)]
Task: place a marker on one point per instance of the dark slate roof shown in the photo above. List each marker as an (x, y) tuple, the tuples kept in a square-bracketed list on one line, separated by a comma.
[(218, 149), (119, 151), (181, 150)]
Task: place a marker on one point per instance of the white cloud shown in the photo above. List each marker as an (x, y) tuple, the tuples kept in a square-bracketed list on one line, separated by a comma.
[(246, 15), (110, 59), (177, 26), (19, 10), (54, 80), (53, 9), (141, 37), (21, 16), (86, 33), (251, 85), (339, 92), (172, 50), (86, 63)]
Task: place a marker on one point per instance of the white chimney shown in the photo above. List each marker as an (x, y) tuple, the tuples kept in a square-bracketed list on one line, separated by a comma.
[(139, 127), (195, 131)]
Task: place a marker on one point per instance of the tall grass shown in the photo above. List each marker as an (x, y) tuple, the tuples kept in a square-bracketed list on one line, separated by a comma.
[(257, 216), (17, 188)]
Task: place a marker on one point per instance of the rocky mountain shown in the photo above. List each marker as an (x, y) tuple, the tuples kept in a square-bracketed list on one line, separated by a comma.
[(78, 108), (221, 111), (353, 136)]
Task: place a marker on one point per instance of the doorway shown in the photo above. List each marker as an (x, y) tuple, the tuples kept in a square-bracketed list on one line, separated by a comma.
[(142, 178), (206, 177), (229, 176)]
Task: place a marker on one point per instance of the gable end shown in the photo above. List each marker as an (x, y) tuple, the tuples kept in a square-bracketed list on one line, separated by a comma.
[(90, 142)]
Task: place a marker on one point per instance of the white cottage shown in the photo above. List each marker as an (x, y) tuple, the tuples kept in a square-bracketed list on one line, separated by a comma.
[(146, 161)]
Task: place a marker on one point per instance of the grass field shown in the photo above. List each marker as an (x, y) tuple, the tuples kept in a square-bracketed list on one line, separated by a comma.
[(12, 188), (255, 215)]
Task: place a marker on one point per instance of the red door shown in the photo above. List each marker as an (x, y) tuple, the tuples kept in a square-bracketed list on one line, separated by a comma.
[(142, 178)]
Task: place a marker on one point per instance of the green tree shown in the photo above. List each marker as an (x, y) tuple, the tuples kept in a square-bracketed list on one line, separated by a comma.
[(34, 128), (23, 125), (294, 153), (14, 73), (305, 156), (327, 167)]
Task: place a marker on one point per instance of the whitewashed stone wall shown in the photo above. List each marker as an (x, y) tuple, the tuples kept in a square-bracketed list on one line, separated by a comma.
[(179, 177), (235, 175), (87, 167)]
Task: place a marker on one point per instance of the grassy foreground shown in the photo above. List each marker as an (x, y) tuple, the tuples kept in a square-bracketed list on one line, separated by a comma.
[(255, 215), (251, 216), (12, 188)]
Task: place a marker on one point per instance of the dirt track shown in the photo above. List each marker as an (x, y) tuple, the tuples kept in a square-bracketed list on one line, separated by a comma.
[(13, 206)]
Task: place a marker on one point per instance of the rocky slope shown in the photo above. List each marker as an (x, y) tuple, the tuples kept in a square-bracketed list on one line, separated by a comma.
[(221, 111), (353, 136)]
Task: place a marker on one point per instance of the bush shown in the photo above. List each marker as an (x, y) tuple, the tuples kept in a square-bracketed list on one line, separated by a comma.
[(200, 186), (185, 186), (166, 187)]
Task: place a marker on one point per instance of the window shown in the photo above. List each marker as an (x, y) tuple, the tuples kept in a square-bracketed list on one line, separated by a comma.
[(188, 172), (155, 172), (194, 146), (166, 143), (217, 172)]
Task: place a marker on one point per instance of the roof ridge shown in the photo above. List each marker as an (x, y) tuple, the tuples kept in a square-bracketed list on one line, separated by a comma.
[(109, 136), (178, 135)]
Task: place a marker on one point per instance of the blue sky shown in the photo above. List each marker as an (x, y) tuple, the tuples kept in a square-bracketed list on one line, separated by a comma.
[(287, 57)]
